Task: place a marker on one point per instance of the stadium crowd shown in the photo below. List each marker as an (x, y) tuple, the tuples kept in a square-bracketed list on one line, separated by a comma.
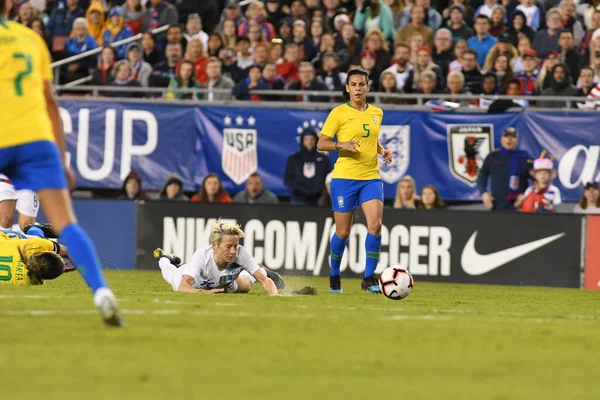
[(515, 47)]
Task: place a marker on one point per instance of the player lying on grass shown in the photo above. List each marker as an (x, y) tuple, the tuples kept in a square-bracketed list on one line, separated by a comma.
[(223, 267), (31, 261)]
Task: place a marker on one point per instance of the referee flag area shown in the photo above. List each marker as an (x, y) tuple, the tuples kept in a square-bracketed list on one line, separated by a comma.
[(444, 341)]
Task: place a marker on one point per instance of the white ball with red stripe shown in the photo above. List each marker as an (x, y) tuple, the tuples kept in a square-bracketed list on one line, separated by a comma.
[(396, 283)]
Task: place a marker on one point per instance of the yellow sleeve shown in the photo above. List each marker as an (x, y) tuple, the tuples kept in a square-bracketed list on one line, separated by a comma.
[(332, 123), (39, 245), (45, 67)]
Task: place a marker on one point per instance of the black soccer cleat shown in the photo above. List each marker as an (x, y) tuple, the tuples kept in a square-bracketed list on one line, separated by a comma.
[(370, 284), (45, 228), (275, 277), (335, 284), (173, 259)]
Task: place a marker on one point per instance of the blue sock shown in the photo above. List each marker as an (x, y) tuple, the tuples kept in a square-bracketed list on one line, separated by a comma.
[(337, 251), (373, 247), (82, 251)]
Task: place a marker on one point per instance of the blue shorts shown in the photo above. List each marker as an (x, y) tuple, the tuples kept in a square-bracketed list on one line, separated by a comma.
[(34, 166), (347, 194)]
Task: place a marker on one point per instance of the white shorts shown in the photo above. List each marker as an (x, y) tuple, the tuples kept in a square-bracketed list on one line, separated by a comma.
[(27, 200)]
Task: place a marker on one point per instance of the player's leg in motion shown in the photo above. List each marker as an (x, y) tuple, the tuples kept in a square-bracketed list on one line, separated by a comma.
[(343, 223), (274, 276), (168, 264), (373, 210), (27, 207), (8, 202), (59, 210)]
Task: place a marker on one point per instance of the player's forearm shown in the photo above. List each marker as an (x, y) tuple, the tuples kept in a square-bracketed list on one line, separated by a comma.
[(327, 145), (270, 287)]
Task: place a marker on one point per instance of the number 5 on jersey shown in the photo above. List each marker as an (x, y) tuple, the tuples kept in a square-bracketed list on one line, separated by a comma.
[(366, 128)]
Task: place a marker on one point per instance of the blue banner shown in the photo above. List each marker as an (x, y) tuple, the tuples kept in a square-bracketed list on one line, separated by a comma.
[(107, 140)]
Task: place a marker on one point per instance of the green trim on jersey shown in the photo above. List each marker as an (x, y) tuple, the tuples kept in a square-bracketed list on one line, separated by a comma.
[(349, 105), (3, 22)]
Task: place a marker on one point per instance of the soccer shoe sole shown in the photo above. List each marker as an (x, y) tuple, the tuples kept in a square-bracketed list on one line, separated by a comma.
[(173, 259), (110, 312), (276, 278), (336, 290), (372, 289)]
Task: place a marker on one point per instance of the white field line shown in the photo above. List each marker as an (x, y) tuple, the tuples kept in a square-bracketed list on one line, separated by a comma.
[(416, 318), (27, 296)]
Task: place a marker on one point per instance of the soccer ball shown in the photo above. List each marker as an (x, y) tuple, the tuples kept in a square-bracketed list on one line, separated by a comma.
[(396, 283)]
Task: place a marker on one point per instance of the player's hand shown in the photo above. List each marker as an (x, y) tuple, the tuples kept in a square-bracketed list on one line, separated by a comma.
[(215, 291), (351, 146), (387, 156), (488, 200)]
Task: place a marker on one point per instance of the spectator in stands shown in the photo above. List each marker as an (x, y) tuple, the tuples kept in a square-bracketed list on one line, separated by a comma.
[(433, 19), (428, 85), (173, 188), (211, 191), (587, 10), (95, 16), (197, 55), (132, 185), (430, 197), (542, 196), (288, 69), (417, 24), (269, 74), (349, 44), (523, 46), (80, 42), (460, 46), (326, 45), (307, 50), (374, 14), (24, 13), (230, 67), (586, 81), (486, 8), (568, 54), (330, 74), (387, 84), (231, 12), (332, 10), (141, 69), (274, 13), (561, 86), (306, 170), (207, 9), (151, 55), (424, 63), (513, 88), (375, 42), (406, 194), (442, 54), (497, 25), (546, 40), (585, 43), (164, 71), (455, 85), (308, 82), (193, 30), (544, 79), (175, 35), (482, 42), (185, 79), (518, 26), (399, 11), (256, 12), (244, 55), (229, 34), (471, 72), (532, 13), (415, 42), (285, 30), (501, 70), (61, 21), (161, 14), (103, 75), (242, 90), (504, 47), (255, 192), (530, 72), (37, 25), (298, 10), (216, 80), (260, 55), (115, 30), (457, 25), (136, 16), (401, 68), (489, 84), (508, 169), (570, 21), (316, 31), (590, 200), (368, 62), (215, 44), (124, 78)]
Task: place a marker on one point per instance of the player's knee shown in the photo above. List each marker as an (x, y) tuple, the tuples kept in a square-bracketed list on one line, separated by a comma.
[(374, 227), (342, 233), (243, 285)]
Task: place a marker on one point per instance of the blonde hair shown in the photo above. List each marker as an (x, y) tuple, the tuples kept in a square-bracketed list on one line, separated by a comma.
[(377, 32), (258, 6), (220, 229), (398, 203), (188, 55)]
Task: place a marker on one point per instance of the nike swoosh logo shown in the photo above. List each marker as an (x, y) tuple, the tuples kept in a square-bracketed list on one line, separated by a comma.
[(350, 119), (474, 263)]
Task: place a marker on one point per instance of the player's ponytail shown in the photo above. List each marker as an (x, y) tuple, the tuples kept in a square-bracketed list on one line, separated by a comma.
[(41, 264), (354, 71)]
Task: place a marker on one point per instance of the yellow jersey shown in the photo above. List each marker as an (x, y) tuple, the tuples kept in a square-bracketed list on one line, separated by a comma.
[(12, 269), (348, 123), (24, 66)]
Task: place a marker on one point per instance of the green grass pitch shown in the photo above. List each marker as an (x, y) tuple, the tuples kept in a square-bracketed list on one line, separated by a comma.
[(444, 341)]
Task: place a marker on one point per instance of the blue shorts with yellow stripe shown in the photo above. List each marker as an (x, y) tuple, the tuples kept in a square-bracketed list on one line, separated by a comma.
[(347, 194), (34, 166)]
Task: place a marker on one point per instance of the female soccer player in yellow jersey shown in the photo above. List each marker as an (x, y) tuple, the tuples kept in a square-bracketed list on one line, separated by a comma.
[(356, 180), (32, 145)]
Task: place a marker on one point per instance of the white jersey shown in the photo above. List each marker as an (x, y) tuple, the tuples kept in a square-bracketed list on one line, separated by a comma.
[(203, 269)]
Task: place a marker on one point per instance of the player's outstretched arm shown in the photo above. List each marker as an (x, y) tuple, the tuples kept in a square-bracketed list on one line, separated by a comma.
[(186, 286), (266, 283)]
